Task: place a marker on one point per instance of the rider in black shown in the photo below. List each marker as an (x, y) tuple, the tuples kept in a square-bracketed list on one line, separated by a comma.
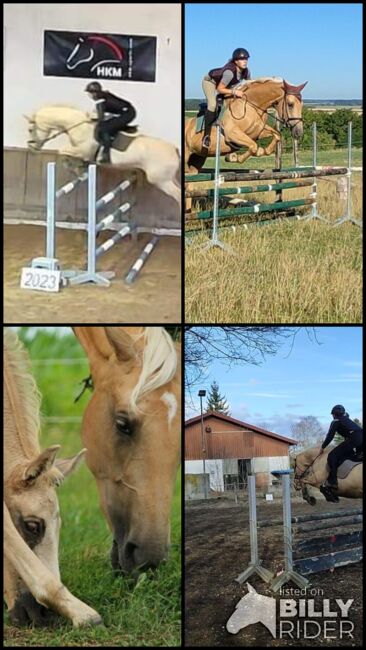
[(120, 113), (353, 435)]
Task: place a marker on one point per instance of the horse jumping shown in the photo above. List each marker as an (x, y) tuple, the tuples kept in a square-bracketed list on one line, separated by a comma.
[(159, 160), (245, 121)]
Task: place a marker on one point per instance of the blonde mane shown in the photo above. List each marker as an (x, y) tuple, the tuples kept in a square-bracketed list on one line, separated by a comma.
[(159, 363), (22, 400)]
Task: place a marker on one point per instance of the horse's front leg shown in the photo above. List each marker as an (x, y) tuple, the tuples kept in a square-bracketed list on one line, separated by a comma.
[(243, 140), (276, 137)]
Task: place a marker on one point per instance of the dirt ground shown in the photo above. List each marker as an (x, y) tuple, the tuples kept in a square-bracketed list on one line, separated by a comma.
[(155, 297), (217, 549)]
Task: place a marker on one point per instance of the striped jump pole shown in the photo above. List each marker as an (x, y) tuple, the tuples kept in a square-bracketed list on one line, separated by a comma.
[(91, 274), (137, 266)]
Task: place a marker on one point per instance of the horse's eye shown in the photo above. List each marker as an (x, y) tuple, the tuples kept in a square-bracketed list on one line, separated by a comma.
[(124, 425), (32, 526)]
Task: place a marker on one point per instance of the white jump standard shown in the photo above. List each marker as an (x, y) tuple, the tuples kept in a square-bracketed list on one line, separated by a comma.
[(94, 252)]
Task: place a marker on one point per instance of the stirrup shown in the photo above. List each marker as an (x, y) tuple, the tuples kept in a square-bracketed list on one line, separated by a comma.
[(206, 142)]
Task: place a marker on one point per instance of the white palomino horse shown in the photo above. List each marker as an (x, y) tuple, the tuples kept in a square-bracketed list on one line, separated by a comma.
[(158, 159)]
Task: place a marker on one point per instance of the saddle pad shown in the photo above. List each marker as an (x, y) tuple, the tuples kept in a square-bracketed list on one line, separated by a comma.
[(200, 119), (345, 468)]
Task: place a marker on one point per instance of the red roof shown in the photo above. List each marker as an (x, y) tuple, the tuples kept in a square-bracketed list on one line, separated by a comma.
[(240, 423)]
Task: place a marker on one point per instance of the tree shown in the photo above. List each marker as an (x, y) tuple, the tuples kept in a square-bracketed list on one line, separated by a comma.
[(233, 345), (308, 432), (216, 402)]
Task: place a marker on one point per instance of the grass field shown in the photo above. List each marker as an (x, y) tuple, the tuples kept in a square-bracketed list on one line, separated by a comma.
[(144, 614), (289, 272)]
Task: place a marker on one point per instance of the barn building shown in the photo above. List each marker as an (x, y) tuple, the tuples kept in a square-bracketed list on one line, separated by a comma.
[(230, 450)]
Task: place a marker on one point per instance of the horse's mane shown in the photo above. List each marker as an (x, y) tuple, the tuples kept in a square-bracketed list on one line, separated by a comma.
[(74, 108), (22, 398), (159, 362)]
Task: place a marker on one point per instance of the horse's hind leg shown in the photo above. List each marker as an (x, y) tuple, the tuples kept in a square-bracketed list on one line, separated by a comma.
[(170, 188)]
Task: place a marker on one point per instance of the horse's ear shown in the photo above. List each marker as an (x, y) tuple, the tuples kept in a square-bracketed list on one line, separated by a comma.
[(27, 118), (121, 342)]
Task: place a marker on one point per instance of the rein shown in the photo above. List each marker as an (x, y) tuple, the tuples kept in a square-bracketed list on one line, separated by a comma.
[(51, 137), (300, 476), (284, 121)]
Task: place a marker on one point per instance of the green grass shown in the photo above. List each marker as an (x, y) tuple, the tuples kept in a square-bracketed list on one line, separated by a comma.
[(144, 614)]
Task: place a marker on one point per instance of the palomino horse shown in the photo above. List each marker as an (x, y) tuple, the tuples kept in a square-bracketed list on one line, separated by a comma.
[(31, 514), (158, 159), (311, 469), (245, 121), (131, 428)]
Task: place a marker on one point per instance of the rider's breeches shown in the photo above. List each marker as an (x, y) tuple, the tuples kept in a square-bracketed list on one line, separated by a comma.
[(209, 88), (343, 451), (115, 124)]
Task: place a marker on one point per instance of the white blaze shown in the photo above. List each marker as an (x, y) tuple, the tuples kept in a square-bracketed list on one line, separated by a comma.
[(172, 404)]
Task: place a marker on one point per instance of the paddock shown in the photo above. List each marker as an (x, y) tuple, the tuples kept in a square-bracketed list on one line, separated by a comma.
[(218, 546)]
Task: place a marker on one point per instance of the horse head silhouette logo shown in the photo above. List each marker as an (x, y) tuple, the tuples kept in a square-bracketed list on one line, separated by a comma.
[(96, 50), (253, 608)]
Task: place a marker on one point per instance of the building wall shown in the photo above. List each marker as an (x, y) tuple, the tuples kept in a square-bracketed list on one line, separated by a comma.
[(158, 103), (230, 441), (213, 467)]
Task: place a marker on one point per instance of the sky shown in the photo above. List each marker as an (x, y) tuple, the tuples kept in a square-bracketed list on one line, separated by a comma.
[(315, 42), (307, 380)]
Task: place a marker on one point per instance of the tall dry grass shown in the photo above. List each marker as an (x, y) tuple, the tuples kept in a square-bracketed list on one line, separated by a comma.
[(298, 272)]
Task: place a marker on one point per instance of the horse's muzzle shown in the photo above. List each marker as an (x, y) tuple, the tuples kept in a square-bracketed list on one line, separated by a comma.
[(132, 559), (27, 611)]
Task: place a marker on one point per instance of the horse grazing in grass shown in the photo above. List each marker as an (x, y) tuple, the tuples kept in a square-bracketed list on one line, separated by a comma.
[(131, 428), (311, 469), (245, 121), (159, 160), (32, 584)]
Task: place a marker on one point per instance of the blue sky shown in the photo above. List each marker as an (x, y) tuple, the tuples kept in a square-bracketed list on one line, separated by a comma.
[(316, 42), (308, 380)]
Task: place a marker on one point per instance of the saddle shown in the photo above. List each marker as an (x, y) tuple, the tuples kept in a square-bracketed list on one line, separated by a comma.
[(342, 472), (220, 110)]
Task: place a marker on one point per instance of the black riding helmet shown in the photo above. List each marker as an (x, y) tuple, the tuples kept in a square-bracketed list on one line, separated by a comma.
[(338, 409), (240, 53), (93, 87)]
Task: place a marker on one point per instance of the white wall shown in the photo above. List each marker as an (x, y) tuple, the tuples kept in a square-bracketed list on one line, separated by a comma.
[(26, 89), (213, 467)]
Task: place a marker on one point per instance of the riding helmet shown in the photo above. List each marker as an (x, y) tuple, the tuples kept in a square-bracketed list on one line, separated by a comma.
[(338, 409), (240, 53), (93, 86)]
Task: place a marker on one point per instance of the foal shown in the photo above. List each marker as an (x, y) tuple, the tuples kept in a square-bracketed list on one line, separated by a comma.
[(32, 520)]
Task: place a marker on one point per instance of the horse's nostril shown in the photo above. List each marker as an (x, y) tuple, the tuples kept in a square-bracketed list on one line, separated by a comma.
[(130, 549)]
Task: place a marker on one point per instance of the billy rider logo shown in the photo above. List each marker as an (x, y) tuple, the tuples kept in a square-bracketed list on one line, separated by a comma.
[(101, 55)]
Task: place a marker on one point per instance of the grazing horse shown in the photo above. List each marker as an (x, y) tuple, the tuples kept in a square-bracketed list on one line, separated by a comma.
[(311, 469), (245, 121), (32, 521), (131, 428), (159, 160)]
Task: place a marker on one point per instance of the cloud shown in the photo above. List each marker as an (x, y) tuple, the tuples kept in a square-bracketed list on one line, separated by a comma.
[(294, 406)]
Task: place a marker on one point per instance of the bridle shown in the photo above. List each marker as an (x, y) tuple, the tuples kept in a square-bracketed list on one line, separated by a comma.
[(284, 121), (39, 143), (299, 474)]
